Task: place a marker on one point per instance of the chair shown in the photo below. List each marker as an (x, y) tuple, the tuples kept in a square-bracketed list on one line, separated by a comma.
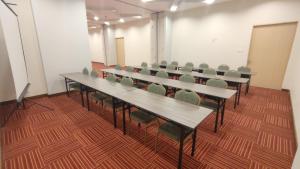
[(203, 66), (162, 74), (187, 78), (210, 71), (144, 64), (144, 117), (223, 67), (170, 129), (175, 63), (244, 69), (118, 67), (98, 96), (187, 69), (233, 73), (155, 66), (171, 67), (215, 103), (111, 78), (75, 85), (129, 69), (126, 81), (142, 84), (94, 73), (145, 71), (163, 63), (189, 64)]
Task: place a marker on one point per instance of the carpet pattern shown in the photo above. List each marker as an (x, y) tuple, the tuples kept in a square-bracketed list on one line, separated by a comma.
[(257, 135)]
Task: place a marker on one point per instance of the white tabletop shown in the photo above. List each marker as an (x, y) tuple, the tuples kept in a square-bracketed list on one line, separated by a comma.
[(180, 112), (198, 88)]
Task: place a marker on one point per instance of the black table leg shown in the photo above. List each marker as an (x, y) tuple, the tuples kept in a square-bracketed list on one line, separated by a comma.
[(87, 99), (223, 112), (239, 93), (181, 147), (194, 142), (81, 94), (66, 83), (114, 112), (236, 98), (124, 118), (217, 117)]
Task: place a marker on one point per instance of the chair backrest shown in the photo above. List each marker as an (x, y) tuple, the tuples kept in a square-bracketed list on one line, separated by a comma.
[(144, 64), (94, 73), (164, 63), (155, 66), (85, 71), (118, 67), (157, 89), (129, 69), (126, 81), (189, 64), (233, 73), (210, 71), (145, 71), (217, 83), (203, 66), (171, 67), (187, 69), (162, 74), (188, 96), (111, 78), (244, 69), (187, 78), (223, 67), (175, 63)]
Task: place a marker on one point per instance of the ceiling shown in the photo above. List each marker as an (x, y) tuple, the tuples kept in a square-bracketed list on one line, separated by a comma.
[(113, 10)]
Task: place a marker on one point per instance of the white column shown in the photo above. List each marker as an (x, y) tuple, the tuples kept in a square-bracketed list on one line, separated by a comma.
[(109, 45)]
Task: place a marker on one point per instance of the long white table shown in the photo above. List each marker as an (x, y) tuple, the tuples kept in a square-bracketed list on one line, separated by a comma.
[(178, 112)]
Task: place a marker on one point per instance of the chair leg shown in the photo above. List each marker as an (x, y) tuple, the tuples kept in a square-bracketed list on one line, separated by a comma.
[(156, 141), (103, 109)]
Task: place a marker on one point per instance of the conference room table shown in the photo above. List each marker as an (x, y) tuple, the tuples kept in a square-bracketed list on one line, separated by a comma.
[(182, 114), (237, 81), (219, 93)]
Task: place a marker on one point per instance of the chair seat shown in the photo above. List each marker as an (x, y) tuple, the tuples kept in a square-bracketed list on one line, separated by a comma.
[(173, 131), (99, 96), (142, 116), (74, 85), (209, 104), (118, 103)]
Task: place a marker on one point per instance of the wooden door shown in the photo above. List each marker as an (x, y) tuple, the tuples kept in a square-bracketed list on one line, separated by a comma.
[(120, 51), (269, 53)]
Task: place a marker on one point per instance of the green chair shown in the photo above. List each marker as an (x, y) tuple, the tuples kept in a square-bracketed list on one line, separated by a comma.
[(189, 64), (175, 63), (203, 66), (98, 96), (75, 85), (244, 69), (111, 78), (145, 71), (170, 129), (187, 78), (223, 67), (144, 117), (233, 73), (187, 69), (171, 67), (162, 74), (118, 67), (210, 71), (94, 73), (164, 63), (126, 81), (215, 103), (129, 69), (144, 64), (155, 66)]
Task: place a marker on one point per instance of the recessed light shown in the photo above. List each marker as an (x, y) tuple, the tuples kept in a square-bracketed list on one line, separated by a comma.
[(173, 8), (96, 18), (208, 1), (107, 23), (121, 20), (145, 1), (93, 27), (138, 16)]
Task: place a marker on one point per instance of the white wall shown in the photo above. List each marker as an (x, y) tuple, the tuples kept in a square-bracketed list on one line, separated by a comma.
[(63, 37), (96, 42), (221, 33), (137, 41)]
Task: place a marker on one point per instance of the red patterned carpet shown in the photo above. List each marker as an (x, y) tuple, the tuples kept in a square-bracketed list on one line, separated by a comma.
[(257, 135)]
